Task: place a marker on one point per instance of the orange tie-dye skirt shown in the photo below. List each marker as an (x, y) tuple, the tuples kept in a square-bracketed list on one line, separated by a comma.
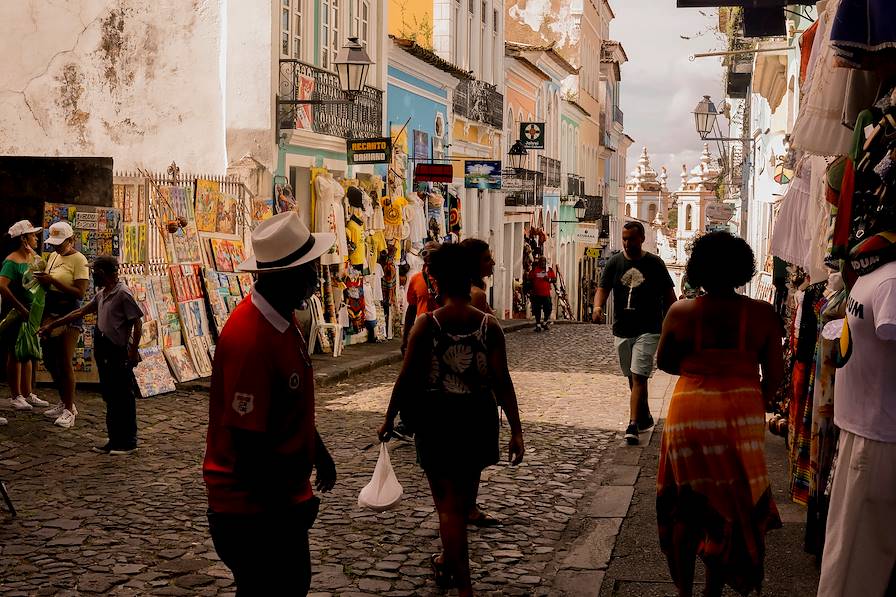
[(713, 478)]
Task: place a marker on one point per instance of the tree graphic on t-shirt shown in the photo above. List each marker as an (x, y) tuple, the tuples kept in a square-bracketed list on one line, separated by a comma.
[(631, 280)]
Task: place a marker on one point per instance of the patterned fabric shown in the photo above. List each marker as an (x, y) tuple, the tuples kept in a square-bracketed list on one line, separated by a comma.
[(459, 362), (712, 477)]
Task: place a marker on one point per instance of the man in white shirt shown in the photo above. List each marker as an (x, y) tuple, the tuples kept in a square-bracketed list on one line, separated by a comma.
[(860, 546)]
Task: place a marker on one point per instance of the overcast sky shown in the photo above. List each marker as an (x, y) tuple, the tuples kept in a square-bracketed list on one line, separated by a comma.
[(660, 86)]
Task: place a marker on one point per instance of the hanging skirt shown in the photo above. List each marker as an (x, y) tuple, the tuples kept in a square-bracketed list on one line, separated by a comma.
[(862, 27), (713, 479)]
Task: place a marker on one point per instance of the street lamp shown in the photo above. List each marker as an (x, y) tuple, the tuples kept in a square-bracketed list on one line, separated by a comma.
[(705, 116), (579, 209), (517, 154), (352, 64)]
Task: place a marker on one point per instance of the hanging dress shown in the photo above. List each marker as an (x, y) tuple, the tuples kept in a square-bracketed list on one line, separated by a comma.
[(712, 475), (456, 418), (329, 216), (863, 28)]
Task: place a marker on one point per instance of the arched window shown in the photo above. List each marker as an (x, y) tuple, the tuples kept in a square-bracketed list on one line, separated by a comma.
[(688, 218), (651, 212), (628, 209)]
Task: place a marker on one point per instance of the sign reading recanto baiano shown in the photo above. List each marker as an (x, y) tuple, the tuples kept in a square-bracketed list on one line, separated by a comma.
[(369, 151)]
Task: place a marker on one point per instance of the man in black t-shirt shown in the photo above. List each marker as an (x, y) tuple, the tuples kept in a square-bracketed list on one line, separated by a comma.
[(642, 293)]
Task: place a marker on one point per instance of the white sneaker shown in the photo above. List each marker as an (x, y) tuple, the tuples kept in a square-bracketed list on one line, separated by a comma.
[(33, 400), (66, 420), (56, 411), (3, 421), (19, 403)]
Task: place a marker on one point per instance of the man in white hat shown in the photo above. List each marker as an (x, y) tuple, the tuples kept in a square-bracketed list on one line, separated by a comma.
[(262, 442)]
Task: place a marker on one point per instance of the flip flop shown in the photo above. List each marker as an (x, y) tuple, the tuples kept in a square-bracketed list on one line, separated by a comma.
[(440, 575), (483, 520)]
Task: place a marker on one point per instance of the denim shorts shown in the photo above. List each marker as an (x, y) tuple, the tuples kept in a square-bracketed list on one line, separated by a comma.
[(637, 355)]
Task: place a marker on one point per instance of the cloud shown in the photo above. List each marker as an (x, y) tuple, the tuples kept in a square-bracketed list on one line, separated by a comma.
[(660, 85)]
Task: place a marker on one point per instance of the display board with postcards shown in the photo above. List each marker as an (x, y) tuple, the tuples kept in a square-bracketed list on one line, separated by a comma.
[(129, 196), (97, 231)]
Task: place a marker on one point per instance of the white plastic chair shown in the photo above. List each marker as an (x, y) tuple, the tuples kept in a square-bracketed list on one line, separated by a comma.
[(319, 327)]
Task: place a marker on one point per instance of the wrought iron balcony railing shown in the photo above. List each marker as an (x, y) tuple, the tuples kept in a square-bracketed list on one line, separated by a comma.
[(523, 188), (575, 186), (360, 118), (550, 168), (594, 208), (479, 101)]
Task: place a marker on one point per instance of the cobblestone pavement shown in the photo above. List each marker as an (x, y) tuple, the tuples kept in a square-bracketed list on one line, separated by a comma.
[(135, 525)]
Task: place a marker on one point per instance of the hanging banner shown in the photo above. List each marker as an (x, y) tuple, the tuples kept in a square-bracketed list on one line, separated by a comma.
[(532, 135), (369, 151), (482, 174), (429, 172)]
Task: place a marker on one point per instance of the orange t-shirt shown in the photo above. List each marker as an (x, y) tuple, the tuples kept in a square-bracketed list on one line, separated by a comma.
[(418, 294)]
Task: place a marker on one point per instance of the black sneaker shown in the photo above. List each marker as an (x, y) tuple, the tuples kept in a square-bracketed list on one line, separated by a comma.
[(123, 451), (102, 449), (400, 431), (646, 424), (631, 434)]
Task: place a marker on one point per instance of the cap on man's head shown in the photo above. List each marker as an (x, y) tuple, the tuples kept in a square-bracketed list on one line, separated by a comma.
[(23, 227), (59, 233)]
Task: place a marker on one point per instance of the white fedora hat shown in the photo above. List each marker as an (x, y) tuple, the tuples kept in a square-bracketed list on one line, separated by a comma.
[(283, 242)]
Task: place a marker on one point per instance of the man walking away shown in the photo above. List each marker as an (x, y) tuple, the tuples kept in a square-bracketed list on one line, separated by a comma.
[(117, 338), (262, 441), (642, 293), (541, 279)]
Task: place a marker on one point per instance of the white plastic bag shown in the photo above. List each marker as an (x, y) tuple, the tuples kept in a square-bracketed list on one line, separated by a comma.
[(384, 491)]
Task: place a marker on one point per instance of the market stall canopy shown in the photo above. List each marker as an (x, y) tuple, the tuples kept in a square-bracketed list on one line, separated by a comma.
[(770, 76)]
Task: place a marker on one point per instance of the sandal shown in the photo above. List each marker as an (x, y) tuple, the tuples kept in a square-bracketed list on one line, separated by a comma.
[(440, 575), (483, 520)]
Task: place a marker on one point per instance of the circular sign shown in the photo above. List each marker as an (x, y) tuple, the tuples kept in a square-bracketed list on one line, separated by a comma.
[(719, 212)]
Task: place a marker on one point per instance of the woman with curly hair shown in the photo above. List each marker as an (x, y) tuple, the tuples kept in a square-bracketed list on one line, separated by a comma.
[(458, 357), (713, 493)]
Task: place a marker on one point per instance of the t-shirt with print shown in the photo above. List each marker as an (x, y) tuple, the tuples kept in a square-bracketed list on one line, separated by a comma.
[(541, 281), (66, 269), (262, 382), (419, 295), (865, 391), (357, 249), (639, 287)]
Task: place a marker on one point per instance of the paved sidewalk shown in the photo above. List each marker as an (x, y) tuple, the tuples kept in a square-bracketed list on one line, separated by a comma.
[(638, 567)]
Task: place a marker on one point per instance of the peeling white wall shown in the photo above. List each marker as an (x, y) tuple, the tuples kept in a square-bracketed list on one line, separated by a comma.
[(146, 83)]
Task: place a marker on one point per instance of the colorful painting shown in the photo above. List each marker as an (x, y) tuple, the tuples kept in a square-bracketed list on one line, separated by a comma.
[(286, 200), (227, 214), (208, 193), (262, 209), (152, 374), (221, 255), (421, 145), (482, 174), (180, 363)]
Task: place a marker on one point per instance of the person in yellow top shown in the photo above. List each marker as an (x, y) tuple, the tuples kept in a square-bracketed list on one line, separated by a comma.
[(66, 279)]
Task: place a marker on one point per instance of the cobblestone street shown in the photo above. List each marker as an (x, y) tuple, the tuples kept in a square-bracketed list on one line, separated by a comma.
[(135, 525)]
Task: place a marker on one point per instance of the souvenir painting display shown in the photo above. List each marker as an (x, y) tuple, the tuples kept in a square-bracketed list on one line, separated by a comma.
[(178, 224), (152, 374), (208, 193), (225, 222), (262, 209), (180, 363)]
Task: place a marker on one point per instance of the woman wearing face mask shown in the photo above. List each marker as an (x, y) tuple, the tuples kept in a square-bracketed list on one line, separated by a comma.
[(66, 280), (15, 275)]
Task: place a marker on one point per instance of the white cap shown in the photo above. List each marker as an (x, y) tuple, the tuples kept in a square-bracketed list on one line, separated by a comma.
[(59, 232), (23, 227)]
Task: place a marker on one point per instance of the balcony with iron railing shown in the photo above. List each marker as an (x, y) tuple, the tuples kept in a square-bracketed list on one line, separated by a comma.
[(522, 187), (480, 102), (594, 207), (575, 186), (550, 168), (360, 118)]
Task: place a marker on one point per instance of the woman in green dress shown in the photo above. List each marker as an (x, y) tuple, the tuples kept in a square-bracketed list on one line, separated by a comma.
[(15, 275)]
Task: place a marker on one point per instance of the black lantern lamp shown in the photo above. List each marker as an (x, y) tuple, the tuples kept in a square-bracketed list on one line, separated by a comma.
[(517, 155), (579, 208), (352, 65), (705, 116)]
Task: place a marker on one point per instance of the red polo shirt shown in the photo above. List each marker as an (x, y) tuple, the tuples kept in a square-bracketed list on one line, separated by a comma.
[(262, 382), (418, 294)]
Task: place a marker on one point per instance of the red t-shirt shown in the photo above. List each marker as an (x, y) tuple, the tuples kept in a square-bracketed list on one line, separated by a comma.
[(418, 294), (262, 382), (541, 281)]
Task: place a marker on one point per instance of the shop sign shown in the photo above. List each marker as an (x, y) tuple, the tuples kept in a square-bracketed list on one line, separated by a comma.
[(86, 220), (588, 236), (369, 151), (429, 172), (482, 174), (719, 212), (532, 135), (593, 252)]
